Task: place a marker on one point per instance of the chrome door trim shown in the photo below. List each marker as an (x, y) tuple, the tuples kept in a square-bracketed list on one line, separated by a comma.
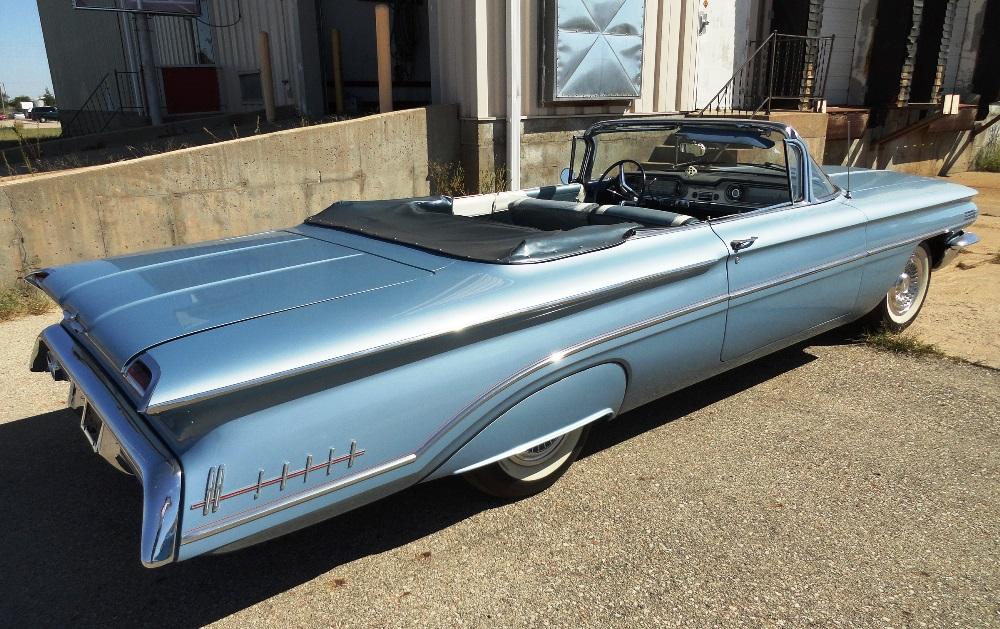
[(795, 275)]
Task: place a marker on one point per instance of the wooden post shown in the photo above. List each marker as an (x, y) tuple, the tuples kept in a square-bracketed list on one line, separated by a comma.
[(338, 77), (266, 77), (384, 54)]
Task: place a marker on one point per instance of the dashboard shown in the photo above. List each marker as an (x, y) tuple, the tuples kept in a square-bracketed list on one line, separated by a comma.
[(715, 194)]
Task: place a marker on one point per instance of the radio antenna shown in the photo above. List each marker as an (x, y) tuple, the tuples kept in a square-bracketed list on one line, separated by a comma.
[(847, 193)]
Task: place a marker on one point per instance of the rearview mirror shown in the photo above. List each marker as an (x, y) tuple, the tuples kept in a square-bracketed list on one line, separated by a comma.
[(693, 148), (564, 176)]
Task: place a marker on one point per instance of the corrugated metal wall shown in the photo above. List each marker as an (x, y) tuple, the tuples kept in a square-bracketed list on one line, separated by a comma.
[(235, 46), (173, 41)]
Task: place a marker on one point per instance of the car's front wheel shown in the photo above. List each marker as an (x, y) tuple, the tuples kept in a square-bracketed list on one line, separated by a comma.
[(906, 297), (529, 472)]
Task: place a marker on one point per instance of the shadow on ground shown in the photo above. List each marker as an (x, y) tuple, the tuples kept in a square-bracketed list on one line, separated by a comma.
[(70, 525)]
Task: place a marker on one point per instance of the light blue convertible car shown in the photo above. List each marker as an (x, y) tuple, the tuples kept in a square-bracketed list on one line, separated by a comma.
[(258, 384)]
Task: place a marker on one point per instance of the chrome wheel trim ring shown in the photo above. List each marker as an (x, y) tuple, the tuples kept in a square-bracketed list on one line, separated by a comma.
[(910, 288), (542, 460)]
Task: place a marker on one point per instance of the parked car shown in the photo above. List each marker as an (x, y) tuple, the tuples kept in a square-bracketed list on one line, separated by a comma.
[(44, 114), (3, 116), (19, 115), (259, 384)]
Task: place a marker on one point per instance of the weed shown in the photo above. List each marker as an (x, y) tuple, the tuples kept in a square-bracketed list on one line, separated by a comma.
[(900, 344), (447, 178), (493, 180), (988, 157), (22, 300), (214, 137)]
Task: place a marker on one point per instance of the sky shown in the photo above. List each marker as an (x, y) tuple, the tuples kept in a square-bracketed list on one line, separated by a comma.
[(24, 68)]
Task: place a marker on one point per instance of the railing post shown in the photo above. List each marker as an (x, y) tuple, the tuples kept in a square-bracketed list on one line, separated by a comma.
[(770, 77)]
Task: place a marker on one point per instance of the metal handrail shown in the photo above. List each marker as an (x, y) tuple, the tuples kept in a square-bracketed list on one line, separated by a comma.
[(86, 102), (104, 103), (739, 71), (782, 67)]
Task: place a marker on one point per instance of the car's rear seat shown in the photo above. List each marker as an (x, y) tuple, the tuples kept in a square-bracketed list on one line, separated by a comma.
[(551, 215)]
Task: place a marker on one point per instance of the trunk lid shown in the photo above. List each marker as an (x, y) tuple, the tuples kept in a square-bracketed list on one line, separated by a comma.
[(125, 305)]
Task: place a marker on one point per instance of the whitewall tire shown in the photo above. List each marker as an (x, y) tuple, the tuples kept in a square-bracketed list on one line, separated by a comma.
[(529, 472), (906, 296)]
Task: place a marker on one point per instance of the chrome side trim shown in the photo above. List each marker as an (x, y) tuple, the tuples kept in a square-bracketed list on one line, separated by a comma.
[(580, 423), (237, 519), (795, 275), (908, 241), (528, 312), (558, 356), (158, 471), (249, 515)]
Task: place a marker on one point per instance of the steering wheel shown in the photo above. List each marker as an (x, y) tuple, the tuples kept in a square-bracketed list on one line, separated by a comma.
[(624, 191)]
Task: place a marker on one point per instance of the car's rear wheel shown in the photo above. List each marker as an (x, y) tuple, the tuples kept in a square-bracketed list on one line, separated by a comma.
[(529, 472), (906, 297)]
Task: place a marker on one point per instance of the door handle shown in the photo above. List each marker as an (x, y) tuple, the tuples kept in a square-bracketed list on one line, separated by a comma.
[(741, 244)]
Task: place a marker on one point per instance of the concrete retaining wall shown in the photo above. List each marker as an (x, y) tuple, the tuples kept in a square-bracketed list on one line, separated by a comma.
[(942, 147), (220, 190)]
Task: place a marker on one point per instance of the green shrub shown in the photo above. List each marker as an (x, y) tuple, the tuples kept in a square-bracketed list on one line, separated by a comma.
[(988, 157)]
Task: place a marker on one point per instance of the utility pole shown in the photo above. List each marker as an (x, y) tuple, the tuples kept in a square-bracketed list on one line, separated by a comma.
[(3, 98), (148, 66)]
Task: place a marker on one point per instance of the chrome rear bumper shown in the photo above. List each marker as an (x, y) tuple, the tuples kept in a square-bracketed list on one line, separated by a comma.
[(119, 435), (956, 243)]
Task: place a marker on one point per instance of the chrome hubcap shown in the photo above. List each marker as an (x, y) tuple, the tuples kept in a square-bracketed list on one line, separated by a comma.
[(539, 454), (907, 291)]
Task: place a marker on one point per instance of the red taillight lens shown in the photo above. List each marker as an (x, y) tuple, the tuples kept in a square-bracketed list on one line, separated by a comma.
[(140, 375)]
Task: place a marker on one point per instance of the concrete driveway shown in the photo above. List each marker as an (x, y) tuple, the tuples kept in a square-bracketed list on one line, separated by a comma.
[(828, 485)]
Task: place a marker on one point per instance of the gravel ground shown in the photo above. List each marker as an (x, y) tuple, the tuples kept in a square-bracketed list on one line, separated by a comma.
[(828, 485)]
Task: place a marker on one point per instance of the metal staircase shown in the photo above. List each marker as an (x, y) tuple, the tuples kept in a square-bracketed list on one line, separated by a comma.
[(782, 72), (112, 97)]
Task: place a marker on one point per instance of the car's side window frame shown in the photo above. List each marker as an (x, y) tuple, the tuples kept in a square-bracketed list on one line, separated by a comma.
[(793, 153)]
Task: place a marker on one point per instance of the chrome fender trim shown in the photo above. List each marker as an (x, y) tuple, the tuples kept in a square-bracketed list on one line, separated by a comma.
[(589, 419), (157, 469)]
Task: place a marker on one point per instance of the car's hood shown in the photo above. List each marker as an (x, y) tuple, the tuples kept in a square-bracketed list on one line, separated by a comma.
[(128, 304)]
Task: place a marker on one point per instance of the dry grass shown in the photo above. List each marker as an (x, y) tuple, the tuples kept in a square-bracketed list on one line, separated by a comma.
[(900, 344), (22, 301), (449, 179)]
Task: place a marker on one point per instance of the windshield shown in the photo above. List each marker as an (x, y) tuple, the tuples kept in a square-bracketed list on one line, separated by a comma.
[(702, 146)]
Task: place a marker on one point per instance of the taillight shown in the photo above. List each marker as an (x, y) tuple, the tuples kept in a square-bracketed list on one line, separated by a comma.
[(140, 376)]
